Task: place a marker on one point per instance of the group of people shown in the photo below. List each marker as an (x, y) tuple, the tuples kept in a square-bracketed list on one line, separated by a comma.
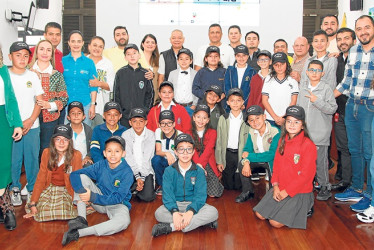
[(125, 122)]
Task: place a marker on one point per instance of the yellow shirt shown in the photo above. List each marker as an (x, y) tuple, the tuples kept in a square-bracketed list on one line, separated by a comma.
[(116, 56), (290, 59)]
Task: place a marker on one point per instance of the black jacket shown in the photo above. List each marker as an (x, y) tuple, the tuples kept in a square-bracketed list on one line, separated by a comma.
[(342, 99), (253, 62)]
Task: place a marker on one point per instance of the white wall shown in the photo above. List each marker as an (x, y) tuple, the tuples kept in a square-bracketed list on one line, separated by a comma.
[(276, 19), (344, 7)]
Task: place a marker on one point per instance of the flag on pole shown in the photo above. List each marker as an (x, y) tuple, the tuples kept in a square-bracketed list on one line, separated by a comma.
[(344, 21)]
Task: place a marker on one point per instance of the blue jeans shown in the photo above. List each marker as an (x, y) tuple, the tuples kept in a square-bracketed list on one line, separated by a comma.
[(358, 121), (27, 150), (46, 132), (87, 120), (159, 164)]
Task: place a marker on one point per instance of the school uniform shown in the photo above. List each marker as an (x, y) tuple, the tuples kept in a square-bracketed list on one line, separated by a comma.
[(255, 95), (206, 77)]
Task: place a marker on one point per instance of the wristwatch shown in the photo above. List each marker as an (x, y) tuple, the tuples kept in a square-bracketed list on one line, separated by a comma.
[(244, 160), (31, 205), (94, 103)]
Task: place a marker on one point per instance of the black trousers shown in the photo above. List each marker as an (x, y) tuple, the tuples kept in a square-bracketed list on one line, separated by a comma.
[(148, 191), (246, 181), (342, 146), (231, 179)]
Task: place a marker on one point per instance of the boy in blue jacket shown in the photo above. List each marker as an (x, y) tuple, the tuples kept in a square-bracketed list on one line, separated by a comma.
[(110, 193), (101, 133), (184, 194)]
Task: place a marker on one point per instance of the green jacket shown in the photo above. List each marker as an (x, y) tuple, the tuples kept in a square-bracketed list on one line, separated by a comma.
[(222, 138), (11, 104), (269, 142)]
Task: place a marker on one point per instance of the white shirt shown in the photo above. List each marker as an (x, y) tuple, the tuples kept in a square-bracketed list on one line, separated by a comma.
[(311, 87), (200, 133), (333, 46), (226, 52), (161, 64), (279, 94), (79, 142), (138, 150), (235, 123), (27, 87), (162, 139), (241, 72), (182, 170), (260, 145), (2, 92), (168, 107), (183, 87)]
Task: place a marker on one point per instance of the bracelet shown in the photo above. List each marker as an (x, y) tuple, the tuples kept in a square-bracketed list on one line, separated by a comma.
[(94, 103), (31, 205), (244, 161)]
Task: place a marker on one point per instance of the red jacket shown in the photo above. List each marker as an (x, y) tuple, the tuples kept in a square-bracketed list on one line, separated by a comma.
[(255, 94), (208, 155), (182, 118), (295, 169), (58, 59)]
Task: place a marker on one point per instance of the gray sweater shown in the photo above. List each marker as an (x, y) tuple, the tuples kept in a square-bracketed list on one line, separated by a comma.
[(318, 114)]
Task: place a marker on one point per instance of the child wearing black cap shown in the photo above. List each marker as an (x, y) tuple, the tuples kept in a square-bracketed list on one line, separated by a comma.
[(131, 88), (82, 133), (205, 142), (110, 194), (212, 73), (212, 98), (182, 79), (232, 133), (28, 90), (165, 136), (240, 74), (291, 199), (140, 150), (52, 198), (184, 194), (259, 149), (112, 115)]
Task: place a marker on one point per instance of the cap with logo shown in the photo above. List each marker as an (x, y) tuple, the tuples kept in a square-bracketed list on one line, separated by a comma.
[(255, 110), (112, 105), (264, 53), (118, 139), (75, 104), (185, 51), (63, 130), (130, 46), (17, 46), (183, 138), (166, 83), (216, 89), (236, 91), (138, 112), (241, 49), (212, 49), (202, 107), (279, 57), (166, 115), (296, 112)]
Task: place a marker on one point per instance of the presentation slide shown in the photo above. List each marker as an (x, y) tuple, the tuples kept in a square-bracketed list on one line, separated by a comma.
[(199, 12)]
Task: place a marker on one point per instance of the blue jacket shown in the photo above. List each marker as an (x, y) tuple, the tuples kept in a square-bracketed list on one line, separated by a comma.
[(231, 81), (190, 188), (205, 78), (99, 135), (114, 184)]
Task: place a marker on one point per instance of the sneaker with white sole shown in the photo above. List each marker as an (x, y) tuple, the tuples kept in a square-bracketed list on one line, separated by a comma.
[(349, 195), (367, 216), (362, 205), (16, 197), (24, 191)]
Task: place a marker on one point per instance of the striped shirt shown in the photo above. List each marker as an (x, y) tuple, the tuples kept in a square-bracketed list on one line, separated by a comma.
[(358, 74)]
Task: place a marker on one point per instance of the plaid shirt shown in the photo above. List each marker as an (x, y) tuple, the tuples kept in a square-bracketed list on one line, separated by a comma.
[(359, 74)]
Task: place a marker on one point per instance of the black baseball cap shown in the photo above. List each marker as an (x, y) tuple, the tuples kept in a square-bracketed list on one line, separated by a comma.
[(112, 105), (166, 114), (255, 110), (17, 46), (211, 49), (279, 57), (130, 46), (75, 104), (63, 130), (185, 51), (236, 91), (166, 83), (138, 112), (216, 89), (183, 138), (117, 139), (241, 49), (264, 53), (202, 107), (296, 112)]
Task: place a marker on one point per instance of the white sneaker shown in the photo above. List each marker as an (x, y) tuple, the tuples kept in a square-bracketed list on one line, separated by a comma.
[(24, 191), (267, 175), (16, 197), (367, 216)]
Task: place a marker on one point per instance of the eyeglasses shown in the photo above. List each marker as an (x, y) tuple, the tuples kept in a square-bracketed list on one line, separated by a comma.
[(263, 60), (182, 150), (311, 70), (163, 124), (289, 122), (64, 140)]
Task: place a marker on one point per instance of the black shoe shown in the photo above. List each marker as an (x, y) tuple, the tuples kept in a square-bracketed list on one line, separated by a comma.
[(338, 177), (324, 194), (77, 223), (10, 220), (255, 177), (331, 164), (244, 196), (69, 236), (161, 228), (340, 186), (310, 212), (213, 224), (1, 216)]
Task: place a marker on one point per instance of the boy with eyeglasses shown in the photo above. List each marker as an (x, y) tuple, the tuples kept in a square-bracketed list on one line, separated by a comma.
[(185, 191), (318, 101), (165, 136)]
